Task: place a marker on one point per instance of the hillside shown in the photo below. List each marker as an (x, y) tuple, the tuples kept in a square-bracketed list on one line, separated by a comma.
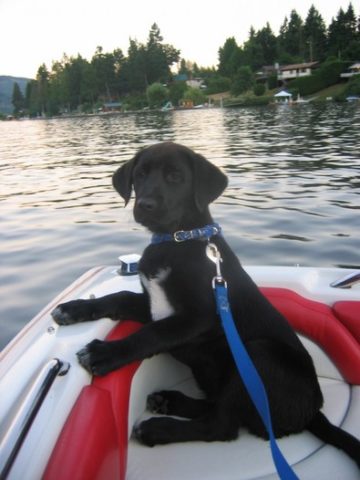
[(6, 90)]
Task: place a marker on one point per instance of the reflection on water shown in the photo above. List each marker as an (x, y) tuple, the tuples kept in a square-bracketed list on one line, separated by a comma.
[(293, 196)]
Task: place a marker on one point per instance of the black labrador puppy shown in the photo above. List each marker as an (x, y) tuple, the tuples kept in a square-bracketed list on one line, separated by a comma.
[(174, 187)]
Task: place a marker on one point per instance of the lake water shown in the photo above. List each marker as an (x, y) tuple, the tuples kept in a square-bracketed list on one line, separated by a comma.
[(293, 198)]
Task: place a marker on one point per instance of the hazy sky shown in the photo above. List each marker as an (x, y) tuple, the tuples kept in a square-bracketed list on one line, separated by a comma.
[(39, 31)]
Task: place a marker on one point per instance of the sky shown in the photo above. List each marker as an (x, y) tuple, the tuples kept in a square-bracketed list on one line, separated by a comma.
[(34, 32)]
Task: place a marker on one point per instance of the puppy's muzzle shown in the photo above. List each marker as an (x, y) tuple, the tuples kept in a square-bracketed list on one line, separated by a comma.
[(148, 205)]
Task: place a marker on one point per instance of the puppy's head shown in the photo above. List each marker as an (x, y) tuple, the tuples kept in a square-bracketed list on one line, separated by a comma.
[(173, 186)]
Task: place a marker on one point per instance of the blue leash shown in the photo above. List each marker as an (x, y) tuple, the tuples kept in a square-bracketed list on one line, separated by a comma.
[(246, 368)]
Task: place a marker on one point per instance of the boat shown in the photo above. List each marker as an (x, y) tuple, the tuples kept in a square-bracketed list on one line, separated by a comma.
[(168, 107), (57, 422)]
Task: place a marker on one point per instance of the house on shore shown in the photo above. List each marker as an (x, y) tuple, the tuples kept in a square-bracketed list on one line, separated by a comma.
[(286, 73), (193, 82), (353, 70), (296, 70)]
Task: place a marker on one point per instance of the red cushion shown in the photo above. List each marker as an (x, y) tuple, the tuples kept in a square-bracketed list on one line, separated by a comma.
[(93, 441), (349, 314), (318, 322), (88, 445)]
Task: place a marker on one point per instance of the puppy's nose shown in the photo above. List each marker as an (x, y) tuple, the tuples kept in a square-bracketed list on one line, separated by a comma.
[(147, 204)]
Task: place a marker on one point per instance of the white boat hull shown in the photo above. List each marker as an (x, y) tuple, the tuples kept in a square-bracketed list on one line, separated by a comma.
[(248, 457)]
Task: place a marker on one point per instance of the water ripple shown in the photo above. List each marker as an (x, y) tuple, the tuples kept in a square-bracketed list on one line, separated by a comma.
[(293, 195)]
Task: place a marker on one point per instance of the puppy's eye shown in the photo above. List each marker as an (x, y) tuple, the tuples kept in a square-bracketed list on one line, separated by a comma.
[(140, 174), (174, 177)]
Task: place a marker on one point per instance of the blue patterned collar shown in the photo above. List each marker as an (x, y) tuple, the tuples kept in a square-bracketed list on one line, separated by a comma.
[(182, 235)]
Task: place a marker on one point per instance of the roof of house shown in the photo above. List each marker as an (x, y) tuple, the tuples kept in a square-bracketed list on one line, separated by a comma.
[(296, 66), (181, 77)]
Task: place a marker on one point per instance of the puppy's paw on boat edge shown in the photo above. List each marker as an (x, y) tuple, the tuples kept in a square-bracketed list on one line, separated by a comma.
[(84, 358), (61, 317), (75, 311)]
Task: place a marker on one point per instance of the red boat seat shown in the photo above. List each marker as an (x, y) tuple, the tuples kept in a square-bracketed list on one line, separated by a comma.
[(100, 414), (93, 442), (326, 326), (349, 314)]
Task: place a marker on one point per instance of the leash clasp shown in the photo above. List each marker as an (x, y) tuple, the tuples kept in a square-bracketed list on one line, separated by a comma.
[(213, 254)]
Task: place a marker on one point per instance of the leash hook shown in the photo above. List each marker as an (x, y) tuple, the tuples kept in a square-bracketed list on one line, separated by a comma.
[(213, 254)]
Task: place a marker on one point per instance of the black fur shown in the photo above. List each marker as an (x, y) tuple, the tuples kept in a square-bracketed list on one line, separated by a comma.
[(173, 187)]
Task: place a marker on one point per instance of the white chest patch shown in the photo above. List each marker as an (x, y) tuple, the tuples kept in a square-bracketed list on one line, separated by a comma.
[(159, 303)]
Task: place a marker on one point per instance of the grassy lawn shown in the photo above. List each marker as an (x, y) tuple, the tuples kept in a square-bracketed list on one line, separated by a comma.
[(329, 92), (249, 98)]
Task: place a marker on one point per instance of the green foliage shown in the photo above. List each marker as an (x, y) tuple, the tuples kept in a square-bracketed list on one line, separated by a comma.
[(292, 37), (230, 56), (176, 92), (330, 72), (218, 84), (75, 84), (353, 87), (243, 81), (344, 35), (194, 95), (249, 101), (259, 89), (315, 36), (307, 85), (261, 48), (272, 81), (158, 57), (135, 101), (18, 99), (268, 42), (157, 95)]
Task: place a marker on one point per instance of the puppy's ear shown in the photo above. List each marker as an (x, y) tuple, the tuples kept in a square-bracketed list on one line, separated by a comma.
[(209, 181), (123, 179)]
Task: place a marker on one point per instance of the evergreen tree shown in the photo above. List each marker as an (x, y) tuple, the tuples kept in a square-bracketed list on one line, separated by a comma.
[(17, 99), (59, 87), (294, 40), (281, 39), (230, 58), (351, 24), (267, 40), (315, 37), (185, 67), (105, 75), (32, 98), (159, 57), (156, 62), (134, 68), (243, 81), (253, 51), (42, 81), (343, 35)]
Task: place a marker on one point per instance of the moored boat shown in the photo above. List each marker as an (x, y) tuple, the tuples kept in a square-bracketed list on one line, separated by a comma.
[(57, 422)]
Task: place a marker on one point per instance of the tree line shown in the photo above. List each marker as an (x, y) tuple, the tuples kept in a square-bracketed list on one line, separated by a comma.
[(74, 83)]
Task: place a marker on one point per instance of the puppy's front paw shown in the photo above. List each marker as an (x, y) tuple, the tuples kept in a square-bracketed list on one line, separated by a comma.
[(157, 403), (156, 431), (98, 357), (72, 312)]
